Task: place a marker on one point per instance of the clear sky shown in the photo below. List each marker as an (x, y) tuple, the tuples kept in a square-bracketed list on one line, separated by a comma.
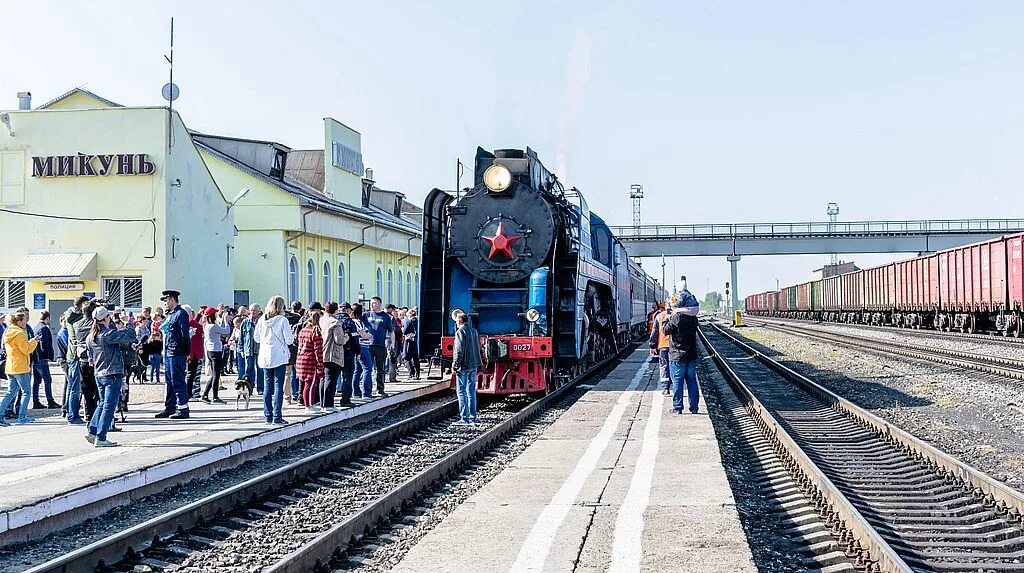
[(725, 112)]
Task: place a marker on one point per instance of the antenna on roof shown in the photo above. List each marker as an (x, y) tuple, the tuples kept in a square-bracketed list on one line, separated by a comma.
[(170, 92)]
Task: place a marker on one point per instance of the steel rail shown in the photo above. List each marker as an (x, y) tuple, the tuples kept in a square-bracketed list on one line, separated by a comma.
[(316, 553), (867, 538), (993, 338), (149, 533), (1006, 499), (1009, 367)]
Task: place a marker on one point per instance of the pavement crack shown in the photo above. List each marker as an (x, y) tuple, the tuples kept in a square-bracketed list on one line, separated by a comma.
[(600, 498)]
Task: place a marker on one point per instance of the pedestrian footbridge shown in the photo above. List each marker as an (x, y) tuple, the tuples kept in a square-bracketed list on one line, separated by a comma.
[(740, 239), (735, 240)]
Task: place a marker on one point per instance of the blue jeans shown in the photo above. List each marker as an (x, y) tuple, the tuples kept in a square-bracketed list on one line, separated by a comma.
[(18, 382), (666, 378), (73, 398), (253, 374), (41, 375), (684, 373), (366, 364), (155, 361), (273, 392), (176, 395), (294, 382), (347, 371), (110, 393), (240, 368), (465, 388)]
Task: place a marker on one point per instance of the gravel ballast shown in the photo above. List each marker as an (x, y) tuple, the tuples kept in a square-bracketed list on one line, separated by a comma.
[(18, 557), (975, 417)]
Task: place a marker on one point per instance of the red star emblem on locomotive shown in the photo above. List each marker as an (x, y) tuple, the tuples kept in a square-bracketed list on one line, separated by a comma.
[(502, 243)]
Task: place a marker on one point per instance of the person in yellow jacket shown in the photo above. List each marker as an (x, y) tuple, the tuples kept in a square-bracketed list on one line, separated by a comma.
[(19, 348)]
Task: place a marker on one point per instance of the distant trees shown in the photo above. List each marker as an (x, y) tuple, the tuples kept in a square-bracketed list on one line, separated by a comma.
[(712, 301)]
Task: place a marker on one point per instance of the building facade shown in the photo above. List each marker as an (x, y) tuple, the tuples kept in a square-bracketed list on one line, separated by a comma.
[(98, 198), (311, 227)]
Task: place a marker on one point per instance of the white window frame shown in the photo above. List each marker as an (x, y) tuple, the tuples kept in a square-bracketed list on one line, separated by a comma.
[(120, 301), (293, 278), (380, 283), (399, 291), (342, 290), (391, 288), (327, 280), (5, 293), (310, 281)]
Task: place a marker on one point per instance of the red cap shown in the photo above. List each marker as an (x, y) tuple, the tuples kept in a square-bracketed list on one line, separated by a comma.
[(209, 311)]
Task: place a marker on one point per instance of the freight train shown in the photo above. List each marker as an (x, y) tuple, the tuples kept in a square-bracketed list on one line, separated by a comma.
[(977, 287), (543, 279)]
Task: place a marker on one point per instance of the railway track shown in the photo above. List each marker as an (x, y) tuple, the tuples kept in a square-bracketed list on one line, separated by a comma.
[(894, 502), (302, 517), (1008, 367), (935, 334)]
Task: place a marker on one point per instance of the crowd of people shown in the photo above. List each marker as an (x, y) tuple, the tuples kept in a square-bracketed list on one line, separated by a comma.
[(320, 357)]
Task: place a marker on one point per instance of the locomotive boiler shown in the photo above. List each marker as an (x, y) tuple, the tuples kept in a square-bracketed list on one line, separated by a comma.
[(544, 281)]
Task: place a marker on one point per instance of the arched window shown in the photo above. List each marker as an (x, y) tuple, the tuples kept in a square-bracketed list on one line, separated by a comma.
[(380, 284), (310, 281), (391, 287), (399, 303), (341, 283), (416, 290), (293, 278), (408, 290), (327, 281)]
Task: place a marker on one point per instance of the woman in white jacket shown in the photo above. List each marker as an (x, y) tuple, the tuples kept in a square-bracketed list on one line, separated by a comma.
[(273, 334)]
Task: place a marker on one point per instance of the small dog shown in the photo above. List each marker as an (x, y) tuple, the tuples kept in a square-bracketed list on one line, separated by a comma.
[(137, 372), (242, 392)]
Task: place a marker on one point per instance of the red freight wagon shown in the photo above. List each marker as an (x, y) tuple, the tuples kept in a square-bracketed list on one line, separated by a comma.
[(772, 301), (1015, 272), (880, 288), (851, 295), (803, 297), (830, 295), (976, 284)]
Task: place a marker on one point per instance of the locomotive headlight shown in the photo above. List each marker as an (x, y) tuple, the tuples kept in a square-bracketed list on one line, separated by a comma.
[(497, 178), (533, 315)]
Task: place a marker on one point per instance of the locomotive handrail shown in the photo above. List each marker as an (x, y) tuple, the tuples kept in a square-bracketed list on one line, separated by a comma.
[(818, 229)]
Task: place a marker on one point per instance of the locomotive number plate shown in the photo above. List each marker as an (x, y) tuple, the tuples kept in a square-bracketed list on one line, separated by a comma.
[(521, 347)]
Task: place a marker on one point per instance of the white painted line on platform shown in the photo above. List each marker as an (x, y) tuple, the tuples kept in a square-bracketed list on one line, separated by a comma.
[(629, 525), (537, 546)]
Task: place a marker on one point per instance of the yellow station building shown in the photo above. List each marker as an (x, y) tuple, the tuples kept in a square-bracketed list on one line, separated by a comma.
[(103, 199), (312, 227), (125, 202)]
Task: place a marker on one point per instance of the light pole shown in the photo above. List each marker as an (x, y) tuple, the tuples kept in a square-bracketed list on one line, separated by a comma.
[(833, 212)]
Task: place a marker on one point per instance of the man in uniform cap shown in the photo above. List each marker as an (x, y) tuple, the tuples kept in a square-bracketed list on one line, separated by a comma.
[(177, 344)]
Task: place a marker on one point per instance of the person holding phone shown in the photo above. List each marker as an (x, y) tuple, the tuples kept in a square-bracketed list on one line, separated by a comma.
[(19, 350)]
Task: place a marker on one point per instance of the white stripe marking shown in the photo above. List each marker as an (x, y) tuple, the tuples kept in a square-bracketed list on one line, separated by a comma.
[(629, 526), (538, 543)]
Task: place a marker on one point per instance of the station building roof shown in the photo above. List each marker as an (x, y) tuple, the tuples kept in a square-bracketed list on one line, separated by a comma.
[(308, 194)]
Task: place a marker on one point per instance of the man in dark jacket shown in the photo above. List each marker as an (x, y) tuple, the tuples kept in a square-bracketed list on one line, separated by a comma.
[(681, 327), (90, 392), (177, 345), (465, 362), (41, 359), (73, 383)]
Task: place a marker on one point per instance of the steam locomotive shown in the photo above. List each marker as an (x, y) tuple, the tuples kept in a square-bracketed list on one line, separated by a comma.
[(545, 282)]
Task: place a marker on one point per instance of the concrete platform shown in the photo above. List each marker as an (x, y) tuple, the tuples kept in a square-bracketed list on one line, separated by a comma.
[(618, 483), (49, 473)]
